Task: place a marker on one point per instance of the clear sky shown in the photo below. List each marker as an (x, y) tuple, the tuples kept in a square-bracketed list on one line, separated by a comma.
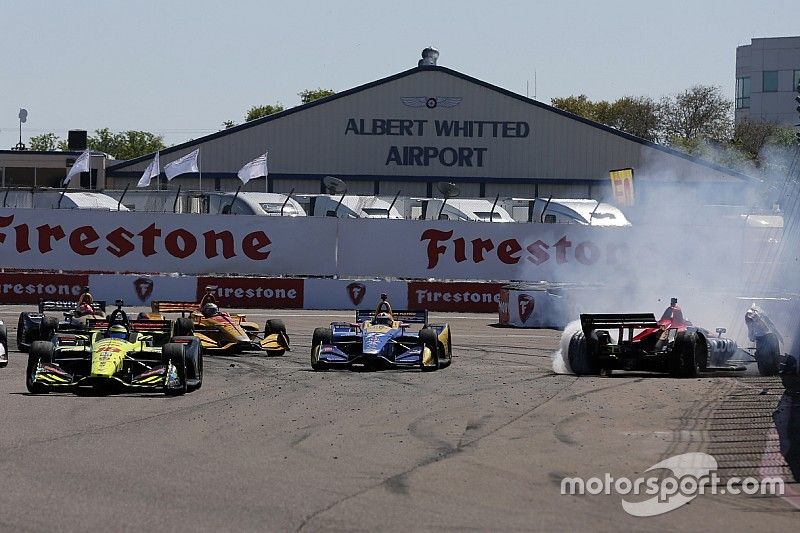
[(181, 68)]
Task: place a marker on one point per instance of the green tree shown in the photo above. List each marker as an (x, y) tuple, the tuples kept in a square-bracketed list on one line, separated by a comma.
[(635, 115), (44, 142), (126, 144), (309, 95), (258, 111), (228, 124), (701, 112)]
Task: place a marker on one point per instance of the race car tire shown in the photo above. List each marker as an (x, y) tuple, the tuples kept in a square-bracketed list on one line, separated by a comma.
[(768, 354), (580, 361), (184, 327), (430, 340), (24, 332), (194, 362), (48, 328), (4, 342), (321, 336), (41, 351), (274, 325), (174, 353), (683, 359)]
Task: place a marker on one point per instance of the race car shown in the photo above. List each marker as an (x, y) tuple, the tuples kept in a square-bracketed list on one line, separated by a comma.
[(671, 344), (116, 355), (3, 345), (33, 326), (381, 339), (222, 333)]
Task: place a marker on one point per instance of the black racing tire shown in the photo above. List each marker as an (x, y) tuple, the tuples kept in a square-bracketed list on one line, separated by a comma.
[(274, 325), (194, 361), (4, 343), (321, 336), (184, 327), (768, 354), (429, 339), (580, 361), (48, 328), (683, 359), (176, 354), (23, 333), (41, 351)]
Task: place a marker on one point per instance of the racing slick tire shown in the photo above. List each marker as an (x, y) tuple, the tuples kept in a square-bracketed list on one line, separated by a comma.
[(24, 332), (194, 362), (41, 351), (48, 328), (321, 336), (184, 327), (683, 360), (4, 342), (174, 353), (768, 354), (430, 340), (580, 361), (274, 325)]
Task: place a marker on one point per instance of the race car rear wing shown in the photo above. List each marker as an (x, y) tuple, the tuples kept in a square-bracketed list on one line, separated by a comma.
[(620, 321), (174, 307), (141, 325), (68, 305), (411, 317)]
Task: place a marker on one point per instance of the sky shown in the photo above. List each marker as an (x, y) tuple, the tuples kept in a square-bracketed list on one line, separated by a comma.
[(181, 68)]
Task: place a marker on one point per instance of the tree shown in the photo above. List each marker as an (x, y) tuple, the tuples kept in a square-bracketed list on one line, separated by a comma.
[(126, 144), (309, 95), (638, 116), (258, 111), (701, 112), (44, 142), (635, 115), (228, 124)]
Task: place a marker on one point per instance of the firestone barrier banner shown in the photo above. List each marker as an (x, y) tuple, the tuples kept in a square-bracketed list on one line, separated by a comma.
[(141, 290), (47, 239)]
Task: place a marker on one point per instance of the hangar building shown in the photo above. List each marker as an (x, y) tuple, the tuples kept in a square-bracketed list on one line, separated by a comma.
[(423, 125)]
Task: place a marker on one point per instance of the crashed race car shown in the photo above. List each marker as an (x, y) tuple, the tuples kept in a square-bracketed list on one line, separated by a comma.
[(116, 355), (3, 345), (39, 326), (222, 333), (671, 345), (383, 339)]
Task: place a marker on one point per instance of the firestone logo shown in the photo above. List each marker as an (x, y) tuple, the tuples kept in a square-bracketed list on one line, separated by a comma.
[(143, 288), (356, 292)]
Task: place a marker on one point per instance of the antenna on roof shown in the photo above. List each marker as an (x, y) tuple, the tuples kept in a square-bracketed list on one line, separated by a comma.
[(23, 117)]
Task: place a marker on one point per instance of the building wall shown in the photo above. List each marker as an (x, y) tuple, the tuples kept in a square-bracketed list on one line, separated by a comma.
[(781, 55)]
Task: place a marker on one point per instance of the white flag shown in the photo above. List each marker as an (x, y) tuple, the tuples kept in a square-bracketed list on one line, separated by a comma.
[(152, 171), (81, 165), (184, 165), (254, 169)]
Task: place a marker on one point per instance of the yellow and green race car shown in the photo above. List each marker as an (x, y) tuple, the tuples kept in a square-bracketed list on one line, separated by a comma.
[(220, 332), (116, 355)]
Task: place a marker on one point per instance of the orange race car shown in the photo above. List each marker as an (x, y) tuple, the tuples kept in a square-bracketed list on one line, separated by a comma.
[(220, 332)]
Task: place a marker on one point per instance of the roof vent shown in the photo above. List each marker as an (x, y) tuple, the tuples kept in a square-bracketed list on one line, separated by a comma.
[(429, 57)]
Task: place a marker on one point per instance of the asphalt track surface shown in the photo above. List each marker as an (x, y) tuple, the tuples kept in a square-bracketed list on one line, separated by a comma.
[(267, 444)]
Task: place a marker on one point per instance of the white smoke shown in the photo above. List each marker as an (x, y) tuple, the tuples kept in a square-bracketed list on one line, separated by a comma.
[(560, 360)]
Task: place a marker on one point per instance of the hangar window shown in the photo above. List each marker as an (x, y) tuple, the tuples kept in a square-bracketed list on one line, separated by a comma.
[(742, 93), (375, 212), (770, 81)]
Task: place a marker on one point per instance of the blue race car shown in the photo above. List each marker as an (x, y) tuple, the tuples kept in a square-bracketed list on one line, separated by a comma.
[(383, 339)]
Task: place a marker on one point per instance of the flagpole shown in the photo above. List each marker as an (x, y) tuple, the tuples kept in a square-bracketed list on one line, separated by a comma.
[(200, 170), (266, 174)]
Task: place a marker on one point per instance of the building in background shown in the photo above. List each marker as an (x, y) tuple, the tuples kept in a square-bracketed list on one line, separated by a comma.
[(767, 74)]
